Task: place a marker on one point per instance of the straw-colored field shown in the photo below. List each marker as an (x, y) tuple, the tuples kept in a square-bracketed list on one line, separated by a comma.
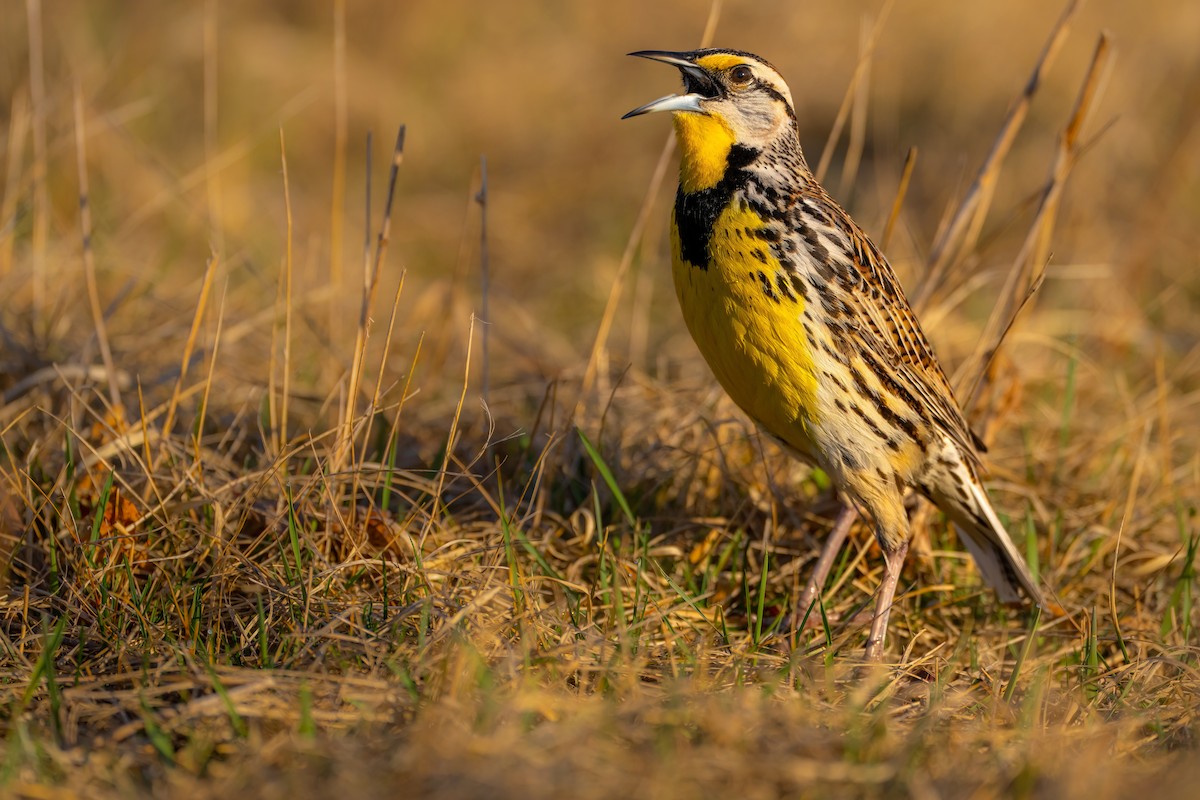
[(486, 527)]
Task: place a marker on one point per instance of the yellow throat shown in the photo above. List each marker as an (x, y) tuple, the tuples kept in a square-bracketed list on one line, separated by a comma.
[(704, 142)]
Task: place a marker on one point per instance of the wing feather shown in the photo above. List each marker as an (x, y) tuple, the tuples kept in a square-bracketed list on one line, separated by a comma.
[(887, 325)]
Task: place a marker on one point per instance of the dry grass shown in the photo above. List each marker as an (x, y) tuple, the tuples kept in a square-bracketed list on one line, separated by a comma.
[(261, 530)]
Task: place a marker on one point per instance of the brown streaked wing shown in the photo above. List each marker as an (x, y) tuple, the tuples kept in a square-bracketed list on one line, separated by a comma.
[(893, 330)]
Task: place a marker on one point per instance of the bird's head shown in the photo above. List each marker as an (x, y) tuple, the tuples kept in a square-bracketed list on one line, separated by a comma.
[(730, 98)]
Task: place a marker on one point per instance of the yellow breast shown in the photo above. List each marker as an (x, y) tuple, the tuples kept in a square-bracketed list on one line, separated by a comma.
[(746, 319)]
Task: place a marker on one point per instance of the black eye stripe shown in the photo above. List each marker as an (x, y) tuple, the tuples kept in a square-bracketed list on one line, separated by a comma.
[(775, 94), (757, 83)]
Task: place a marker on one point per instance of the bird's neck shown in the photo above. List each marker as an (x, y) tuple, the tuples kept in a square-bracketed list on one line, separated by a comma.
[(709, 153)]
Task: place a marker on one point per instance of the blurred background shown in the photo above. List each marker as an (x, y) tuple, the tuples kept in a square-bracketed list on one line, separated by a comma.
[(182, 165)]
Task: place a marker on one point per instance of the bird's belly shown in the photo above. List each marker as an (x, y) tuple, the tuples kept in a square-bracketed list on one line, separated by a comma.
[(745, 314)]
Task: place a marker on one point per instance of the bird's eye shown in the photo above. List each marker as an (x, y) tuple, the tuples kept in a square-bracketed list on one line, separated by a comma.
[(741, 74)]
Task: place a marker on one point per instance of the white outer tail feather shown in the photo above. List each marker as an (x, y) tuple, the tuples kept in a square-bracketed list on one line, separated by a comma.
[(988, 542)]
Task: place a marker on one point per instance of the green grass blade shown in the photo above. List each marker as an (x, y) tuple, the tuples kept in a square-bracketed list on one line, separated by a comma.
[(609, 480)]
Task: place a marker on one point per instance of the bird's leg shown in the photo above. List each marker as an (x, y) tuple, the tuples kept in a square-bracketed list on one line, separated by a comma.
[(803, 607), (892, 562)]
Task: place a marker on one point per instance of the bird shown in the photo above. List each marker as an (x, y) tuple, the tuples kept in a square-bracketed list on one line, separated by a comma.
[(805, 326)]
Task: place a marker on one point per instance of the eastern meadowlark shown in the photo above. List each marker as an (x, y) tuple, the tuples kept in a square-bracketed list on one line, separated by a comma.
[(805, 326)]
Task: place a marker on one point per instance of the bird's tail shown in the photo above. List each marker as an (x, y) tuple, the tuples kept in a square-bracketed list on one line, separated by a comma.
[(986, 539)]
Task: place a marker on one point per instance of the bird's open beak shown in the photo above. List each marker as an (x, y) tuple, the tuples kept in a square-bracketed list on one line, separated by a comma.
[(697, 83)]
